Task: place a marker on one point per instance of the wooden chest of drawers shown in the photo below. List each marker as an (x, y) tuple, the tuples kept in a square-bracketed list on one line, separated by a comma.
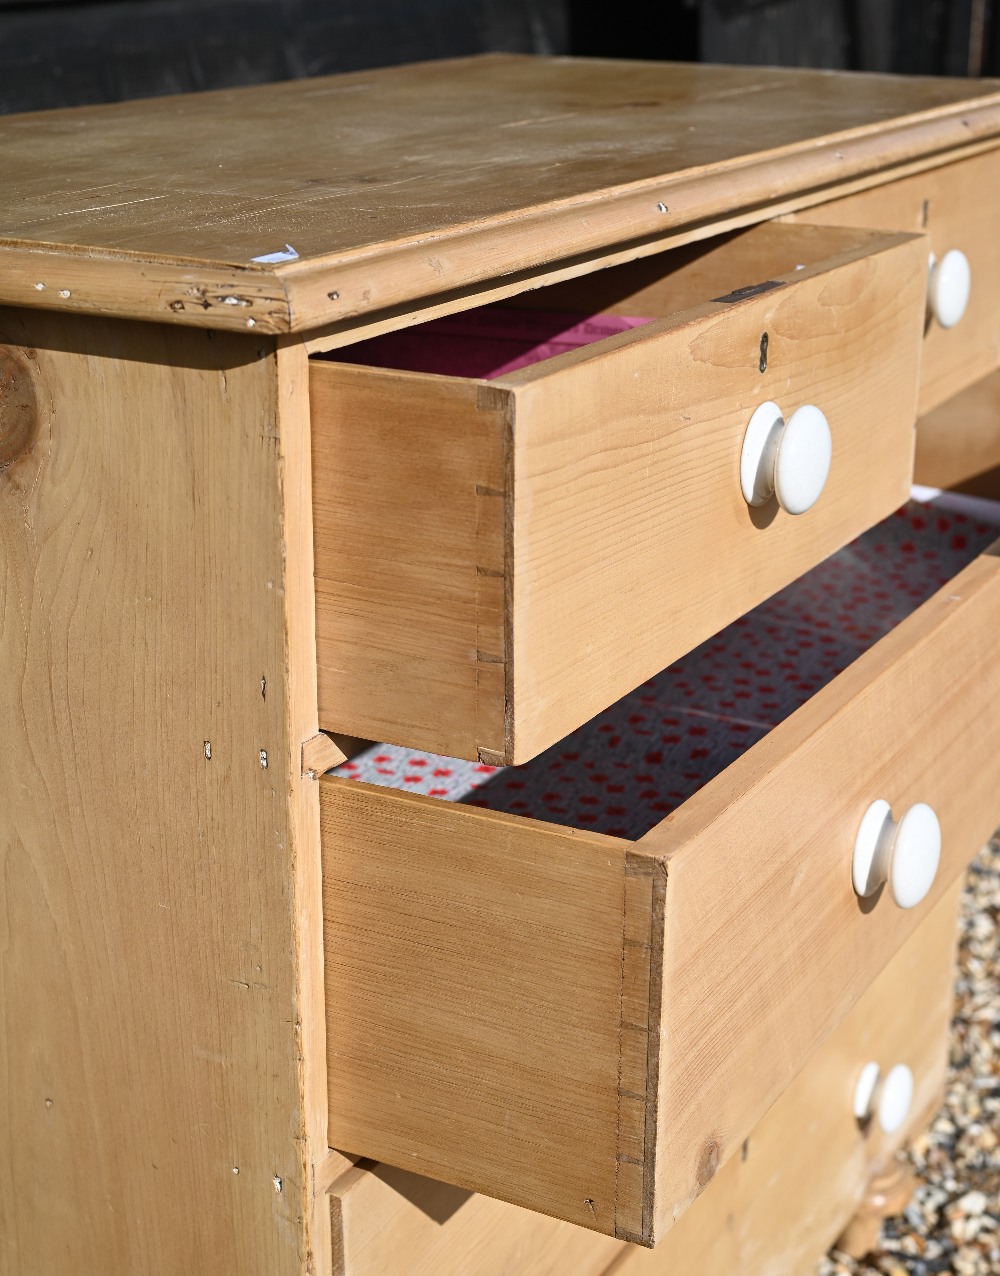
[(236, 529)]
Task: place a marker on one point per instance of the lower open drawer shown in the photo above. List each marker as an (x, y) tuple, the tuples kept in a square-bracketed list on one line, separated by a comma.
[(774, 1208), (589, 1023)]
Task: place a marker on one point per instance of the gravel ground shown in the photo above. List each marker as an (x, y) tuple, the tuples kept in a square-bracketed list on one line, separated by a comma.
[(953, 1222)]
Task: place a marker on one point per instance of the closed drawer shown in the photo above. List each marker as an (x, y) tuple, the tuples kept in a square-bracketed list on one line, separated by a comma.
[(958, 443), (782, 1201), (498, 560), (588, 1024), (954, 206), (774, 1207)]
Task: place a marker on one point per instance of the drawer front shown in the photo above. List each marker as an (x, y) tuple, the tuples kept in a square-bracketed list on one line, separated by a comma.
[(958, 444), (497, 562), (954, 207), (589, 1026), (776, 1207), (799, 1177)]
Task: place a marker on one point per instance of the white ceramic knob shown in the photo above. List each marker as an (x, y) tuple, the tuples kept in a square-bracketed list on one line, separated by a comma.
[(906, 855), (895, 1098), (864, 1090), (948, 287), (787, 459), (889, 1098)]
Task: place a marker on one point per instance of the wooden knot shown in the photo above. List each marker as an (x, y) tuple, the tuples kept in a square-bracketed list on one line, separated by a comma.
[(708, 1162), (19, 415)]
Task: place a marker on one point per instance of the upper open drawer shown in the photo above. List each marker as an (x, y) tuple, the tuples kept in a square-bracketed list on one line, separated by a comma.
[(499, 558), (582, 990)]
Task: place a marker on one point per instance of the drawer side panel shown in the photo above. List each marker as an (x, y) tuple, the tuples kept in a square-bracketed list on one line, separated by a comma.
[(408, 495), (474, 997)]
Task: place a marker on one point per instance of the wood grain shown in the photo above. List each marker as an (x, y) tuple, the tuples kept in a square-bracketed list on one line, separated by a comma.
[(406, 183), (774, 1209), (497, 563), (960, 440), (394, 1221), (778, 1205), (408, 482), (767, 946), (519, 1005), (523, 282), (950, 206), (687, 276), (625, 470), (520, 925), (156, 926)]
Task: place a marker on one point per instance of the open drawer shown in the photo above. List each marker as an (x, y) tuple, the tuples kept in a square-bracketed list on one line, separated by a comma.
[(590, 1024), (771, 1209), (497, 560)]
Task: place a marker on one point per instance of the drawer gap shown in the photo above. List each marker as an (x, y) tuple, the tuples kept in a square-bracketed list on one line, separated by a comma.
[(630, 766)]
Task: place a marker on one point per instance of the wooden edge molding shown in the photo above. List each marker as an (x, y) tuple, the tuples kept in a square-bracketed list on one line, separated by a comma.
[(202, 294), (645, 892), (332, 334), (750, 190), (323, 291)]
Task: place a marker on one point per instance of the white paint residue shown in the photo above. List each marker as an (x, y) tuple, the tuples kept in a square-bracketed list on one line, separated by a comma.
[(287, 253)]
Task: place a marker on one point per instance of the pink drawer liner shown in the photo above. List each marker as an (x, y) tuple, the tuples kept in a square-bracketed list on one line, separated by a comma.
[(485, 343)]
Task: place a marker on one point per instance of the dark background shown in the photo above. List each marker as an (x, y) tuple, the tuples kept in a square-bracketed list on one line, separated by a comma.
[(56, 53)]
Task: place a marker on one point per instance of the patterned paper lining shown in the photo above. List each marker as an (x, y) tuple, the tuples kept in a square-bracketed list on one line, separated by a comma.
[(627, 768), (485, 343)]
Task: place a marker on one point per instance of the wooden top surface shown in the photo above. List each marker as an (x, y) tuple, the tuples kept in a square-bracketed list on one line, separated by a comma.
[(396, 184)]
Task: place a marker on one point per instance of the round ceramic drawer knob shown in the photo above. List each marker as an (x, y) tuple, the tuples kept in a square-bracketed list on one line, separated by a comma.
[(948, 287), (864, 1090), (889, 1098), (786, 459), (906, 855), (895, 1098)]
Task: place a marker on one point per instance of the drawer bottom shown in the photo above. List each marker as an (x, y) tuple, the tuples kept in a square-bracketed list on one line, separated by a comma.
[(638, 761)]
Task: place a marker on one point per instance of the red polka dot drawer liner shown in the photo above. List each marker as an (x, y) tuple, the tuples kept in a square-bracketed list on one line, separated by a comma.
[(630, 766), (484, 343)]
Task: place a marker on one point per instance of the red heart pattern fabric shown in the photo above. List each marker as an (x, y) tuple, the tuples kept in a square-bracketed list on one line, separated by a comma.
[(630, 766)]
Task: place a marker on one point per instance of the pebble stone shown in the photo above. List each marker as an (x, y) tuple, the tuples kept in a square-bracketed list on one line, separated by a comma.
[(952, 1224)]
